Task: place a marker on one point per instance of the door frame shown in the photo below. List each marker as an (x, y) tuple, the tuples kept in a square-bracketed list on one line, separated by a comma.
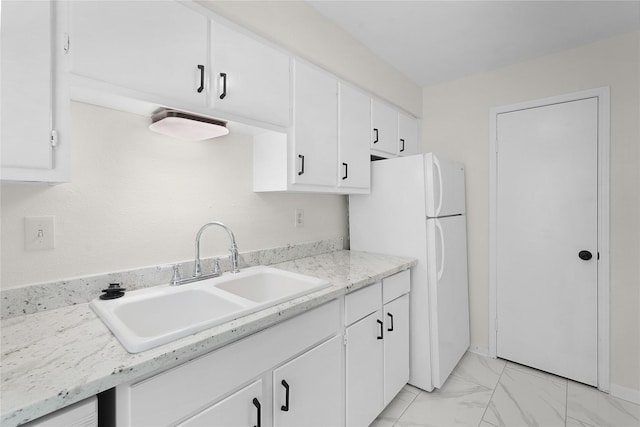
[(603, 96)]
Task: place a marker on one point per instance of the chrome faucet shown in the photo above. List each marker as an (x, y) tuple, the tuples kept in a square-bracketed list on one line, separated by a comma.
[(197, 267), (197, 271)]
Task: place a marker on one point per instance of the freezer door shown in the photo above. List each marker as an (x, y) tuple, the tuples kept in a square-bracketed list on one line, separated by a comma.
[(444, 186), (448, 294)]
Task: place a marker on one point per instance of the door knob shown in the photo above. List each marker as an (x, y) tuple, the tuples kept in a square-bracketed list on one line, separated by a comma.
[(585, 255)]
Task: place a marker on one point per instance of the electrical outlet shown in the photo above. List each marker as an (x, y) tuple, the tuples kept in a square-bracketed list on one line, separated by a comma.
[(299, 217), (39, 233)]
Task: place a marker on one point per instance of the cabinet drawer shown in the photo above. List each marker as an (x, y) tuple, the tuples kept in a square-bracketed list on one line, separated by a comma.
[(362, 302), (396, 285), (169, 396)]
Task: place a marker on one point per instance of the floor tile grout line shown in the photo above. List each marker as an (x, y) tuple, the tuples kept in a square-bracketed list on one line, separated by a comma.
[(405, 409), (492, 393)]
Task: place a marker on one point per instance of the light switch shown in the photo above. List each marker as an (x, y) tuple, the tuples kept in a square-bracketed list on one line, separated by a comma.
[(299, 216), (39, 233)]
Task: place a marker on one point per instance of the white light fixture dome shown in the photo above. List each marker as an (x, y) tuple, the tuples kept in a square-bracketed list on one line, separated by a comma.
[(187, 126)]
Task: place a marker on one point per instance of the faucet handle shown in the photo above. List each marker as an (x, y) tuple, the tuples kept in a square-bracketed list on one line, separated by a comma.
[(216, 267), (176, 275)]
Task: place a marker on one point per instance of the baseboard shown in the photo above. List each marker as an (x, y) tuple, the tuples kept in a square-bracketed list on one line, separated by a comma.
[(625, 393), (478, 350)]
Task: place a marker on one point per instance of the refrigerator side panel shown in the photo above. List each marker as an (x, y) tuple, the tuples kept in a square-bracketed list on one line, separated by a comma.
[(448, 294), (391, 220), (444, 180)]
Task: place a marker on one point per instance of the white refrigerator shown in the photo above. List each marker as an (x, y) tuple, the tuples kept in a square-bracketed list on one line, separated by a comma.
[(417, 208)]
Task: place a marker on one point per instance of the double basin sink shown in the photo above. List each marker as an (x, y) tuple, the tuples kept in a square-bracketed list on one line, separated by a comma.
[(150, 317)]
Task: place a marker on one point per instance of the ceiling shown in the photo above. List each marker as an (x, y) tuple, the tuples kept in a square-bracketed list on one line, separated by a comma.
[(435, 41)]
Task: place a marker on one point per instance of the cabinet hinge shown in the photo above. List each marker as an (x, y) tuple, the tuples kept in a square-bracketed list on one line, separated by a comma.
[(344, 339), (66, 43), (54, 138)]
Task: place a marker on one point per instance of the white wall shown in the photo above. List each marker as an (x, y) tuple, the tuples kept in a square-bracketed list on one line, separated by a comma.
[(456, 124), (138, 198)]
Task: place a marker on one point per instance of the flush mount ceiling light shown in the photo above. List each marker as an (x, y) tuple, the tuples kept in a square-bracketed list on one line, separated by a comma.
[(187, 126)]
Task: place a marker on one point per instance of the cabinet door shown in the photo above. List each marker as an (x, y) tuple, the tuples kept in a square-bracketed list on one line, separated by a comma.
[(250, 78), (308, 390), (354, 136), (365, 376), (396, 347), (315, 113), (385, 127), (241, 409), (154, 47), (408, 135), (26, 84)]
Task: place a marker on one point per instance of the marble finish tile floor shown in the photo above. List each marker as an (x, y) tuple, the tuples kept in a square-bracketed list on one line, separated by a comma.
[(485, 392)]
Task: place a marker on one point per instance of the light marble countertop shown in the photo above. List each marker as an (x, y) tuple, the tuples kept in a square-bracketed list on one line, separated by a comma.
[(58, 357)]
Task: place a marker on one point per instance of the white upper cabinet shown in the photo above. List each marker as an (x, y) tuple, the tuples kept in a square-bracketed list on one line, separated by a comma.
[(315, 127), (408, 135), (249, 79), (154, 47), (33, 125), (26, 84), (384, 124), (394, 133), (327, 147), (354, 136)]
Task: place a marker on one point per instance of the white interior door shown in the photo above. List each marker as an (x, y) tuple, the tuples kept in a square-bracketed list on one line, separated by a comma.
[(547, 169)]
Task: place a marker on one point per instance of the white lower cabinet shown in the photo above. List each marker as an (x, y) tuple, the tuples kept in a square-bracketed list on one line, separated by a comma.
[(229, 386), (396, 347), (307, 390), (365, 378), (301, 372), (377, 353), (243, 408), (81, 414)]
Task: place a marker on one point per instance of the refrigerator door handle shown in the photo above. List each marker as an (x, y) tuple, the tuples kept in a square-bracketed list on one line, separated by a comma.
[(436, 163), (441, 268)]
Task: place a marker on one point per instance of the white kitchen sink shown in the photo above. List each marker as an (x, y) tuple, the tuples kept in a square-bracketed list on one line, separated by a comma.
[(272, 285), (149, 317)]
